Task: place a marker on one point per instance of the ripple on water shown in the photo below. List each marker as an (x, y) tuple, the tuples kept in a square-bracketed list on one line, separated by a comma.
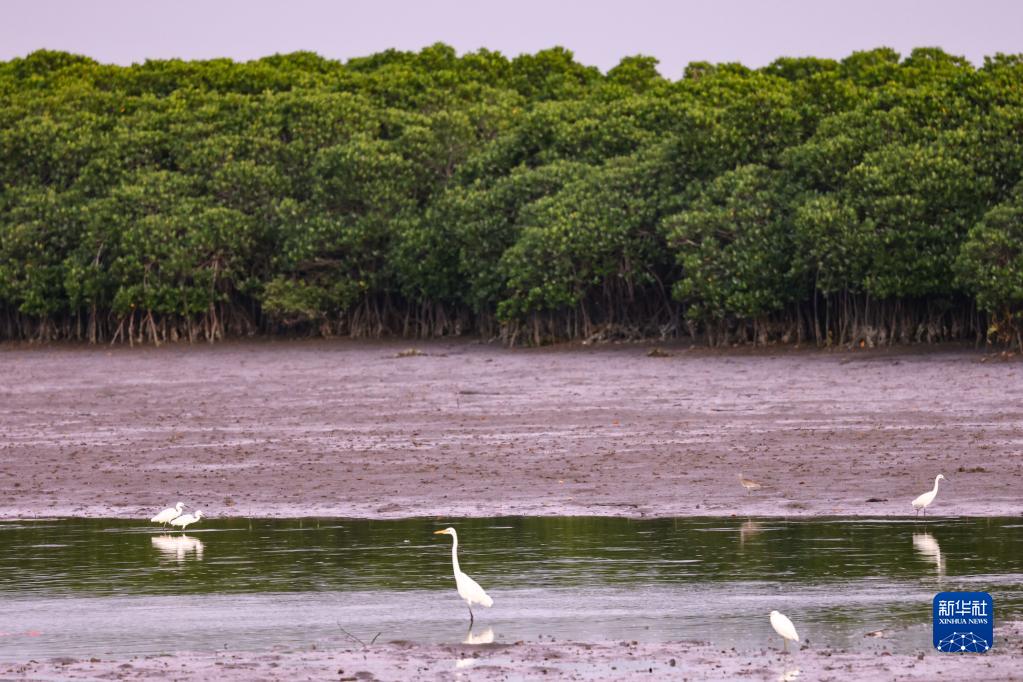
[(118, 587)]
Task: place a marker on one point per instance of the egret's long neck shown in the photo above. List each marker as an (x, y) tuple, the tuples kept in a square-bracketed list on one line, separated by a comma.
[(454, 553), (936, 482)]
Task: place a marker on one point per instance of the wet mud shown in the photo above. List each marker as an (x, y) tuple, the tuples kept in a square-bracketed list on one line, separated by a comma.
[(460, 429), (546, 660)]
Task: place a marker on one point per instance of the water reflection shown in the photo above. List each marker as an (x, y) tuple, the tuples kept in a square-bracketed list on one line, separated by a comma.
[(101, 585), (926, 545), (748, 530), (178, 547), (483, 637), (789, 675), (325, 555), (474, 638)]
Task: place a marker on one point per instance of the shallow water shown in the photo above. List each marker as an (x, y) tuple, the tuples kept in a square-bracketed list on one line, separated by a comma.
[(99, 587)]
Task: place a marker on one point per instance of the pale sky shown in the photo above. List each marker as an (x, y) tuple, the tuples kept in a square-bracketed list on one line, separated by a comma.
[(599, 32)]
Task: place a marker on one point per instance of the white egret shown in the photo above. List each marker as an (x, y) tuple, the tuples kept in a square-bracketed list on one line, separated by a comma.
[(748, 483), (784, 627), (925, 500), (186, 520), (168, 514), (468, 589)]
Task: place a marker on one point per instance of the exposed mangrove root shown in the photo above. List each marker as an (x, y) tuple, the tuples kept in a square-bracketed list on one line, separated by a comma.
[(836, 321)]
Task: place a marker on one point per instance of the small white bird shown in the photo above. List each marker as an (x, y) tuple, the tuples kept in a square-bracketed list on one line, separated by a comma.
[(186, 520), (748, 483), (784, 627), (468, 589), (168, 514), (922, 502)]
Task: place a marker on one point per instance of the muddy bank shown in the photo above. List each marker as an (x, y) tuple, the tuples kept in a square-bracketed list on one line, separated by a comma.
[(543, 660), (352, 429)]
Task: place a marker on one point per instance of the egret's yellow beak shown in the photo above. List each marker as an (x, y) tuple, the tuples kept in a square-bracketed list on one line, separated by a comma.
[(440, 532)]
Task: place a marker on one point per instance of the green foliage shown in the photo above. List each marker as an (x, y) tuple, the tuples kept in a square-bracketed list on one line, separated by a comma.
[(453, 253), (432, 192), (293, 301), (638, 73), (991, 260), (917, 204), (830, 244), (734, 246), (594, 241)]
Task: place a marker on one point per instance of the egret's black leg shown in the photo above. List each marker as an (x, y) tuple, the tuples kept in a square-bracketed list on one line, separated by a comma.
[(471, 619)]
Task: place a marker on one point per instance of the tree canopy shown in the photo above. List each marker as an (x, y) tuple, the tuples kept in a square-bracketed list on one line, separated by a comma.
[(863, 201)]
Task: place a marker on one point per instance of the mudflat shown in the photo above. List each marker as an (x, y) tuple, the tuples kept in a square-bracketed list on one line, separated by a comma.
[(343, 428), (546, 660)]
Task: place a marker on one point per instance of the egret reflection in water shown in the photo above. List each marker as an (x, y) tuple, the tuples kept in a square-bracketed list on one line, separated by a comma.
[(106, 585), (474, 638), (178, 547), (483, 637), (926, 545)]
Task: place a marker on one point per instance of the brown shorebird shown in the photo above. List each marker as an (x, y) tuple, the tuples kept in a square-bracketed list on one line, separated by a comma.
[(749, 484)]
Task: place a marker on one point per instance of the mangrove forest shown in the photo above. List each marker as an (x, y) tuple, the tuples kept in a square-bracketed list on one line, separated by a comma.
[(866, 201)]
